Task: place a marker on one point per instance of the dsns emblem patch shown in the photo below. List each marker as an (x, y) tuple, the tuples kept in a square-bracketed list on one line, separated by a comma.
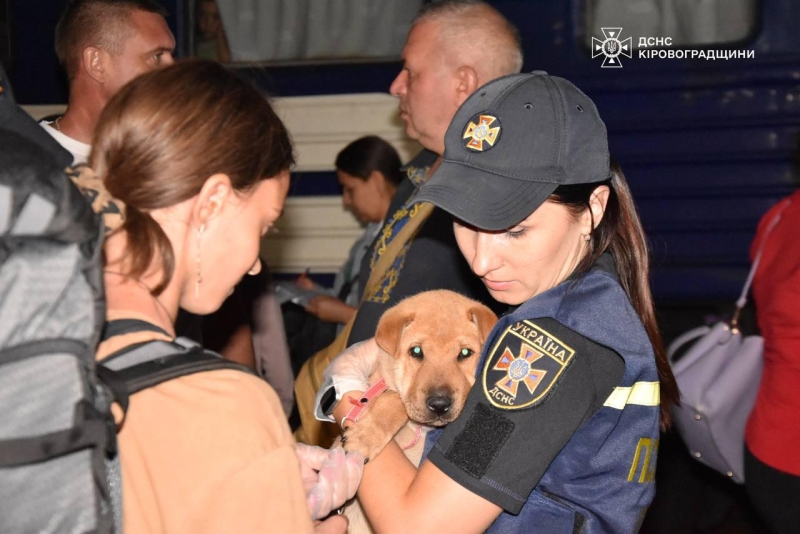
[(482, 132), (524, 365)]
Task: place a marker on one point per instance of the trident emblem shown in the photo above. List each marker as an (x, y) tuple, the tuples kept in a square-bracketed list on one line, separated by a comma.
[(611, 48)]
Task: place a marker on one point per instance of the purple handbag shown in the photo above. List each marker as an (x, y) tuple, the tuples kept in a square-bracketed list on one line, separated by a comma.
[(718, 377)]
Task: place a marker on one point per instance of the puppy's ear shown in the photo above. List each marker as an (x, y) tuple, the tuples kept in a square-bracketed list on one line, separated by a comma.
[(391, 326), (484, 319)]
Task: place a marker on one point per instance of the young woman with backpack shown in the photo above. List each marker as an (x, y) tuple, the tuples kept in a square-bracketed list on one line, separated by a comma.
[(200, 161)]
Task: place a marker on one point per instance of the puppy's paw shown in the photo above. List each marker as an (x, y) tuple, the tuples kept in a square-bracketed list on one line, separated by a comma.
[(365, 440), (377, 425)]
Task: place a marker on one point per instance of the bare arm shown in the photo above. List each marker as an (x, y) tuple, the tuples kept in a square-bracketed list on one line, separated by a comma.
[(399, 498), (330, 309)]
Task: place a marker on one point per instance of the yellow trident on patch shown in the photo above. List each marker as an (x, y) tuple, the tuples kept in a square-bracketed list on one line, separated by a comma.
[(483, 131)]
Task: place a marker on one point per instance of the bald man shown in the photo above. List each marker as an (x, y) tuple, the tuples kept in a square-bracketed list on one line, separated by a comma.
[(102, 45), (453, 47)]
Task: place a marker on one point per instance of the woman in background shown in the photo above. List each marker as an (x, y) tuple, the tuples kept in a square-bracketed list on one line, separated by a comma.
[(368, 170), (369, 173)]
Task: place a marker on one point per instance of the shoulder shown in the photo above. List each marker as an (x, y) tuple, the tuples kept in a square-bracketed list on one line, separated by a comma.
[(789, 211), (240, 410), (238, 399), (530, 358)]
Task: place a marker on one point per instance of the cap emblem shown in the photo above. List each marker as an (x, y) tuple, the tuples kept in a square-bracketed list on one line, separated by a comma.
[(484, 132)]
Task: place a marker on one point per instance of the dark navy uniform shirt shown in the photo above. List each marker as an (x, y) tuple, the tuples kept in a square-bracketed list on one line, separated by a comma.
[(561, 426)]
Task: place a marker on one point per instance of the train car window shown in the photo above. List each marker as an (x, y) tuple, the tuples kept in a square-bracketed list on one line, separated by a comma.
[(688, 23), (278, 31)]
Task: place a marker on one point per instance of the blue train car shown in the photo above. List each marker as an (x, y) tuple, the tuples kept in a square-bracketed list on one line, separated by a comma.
[(701, 99)]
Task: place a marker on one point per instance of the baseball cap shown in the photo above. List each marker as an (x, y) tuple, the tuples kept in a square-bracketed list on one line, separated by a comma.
[(511, 144)]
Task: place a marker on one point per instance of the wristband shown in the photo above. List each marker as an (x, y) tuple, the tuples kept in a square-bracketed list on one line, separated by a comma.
[(360, 405), (330, 394)]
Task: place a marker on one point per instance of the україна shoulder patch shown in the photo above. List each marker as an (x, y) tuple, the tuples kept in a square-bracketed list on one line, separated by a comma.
[(524, 365)]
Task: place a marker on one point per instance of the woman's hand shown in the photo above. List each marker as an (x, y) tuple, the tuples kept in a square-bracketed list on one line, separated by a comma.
[(330, 309), (330, 477), (304, 281)]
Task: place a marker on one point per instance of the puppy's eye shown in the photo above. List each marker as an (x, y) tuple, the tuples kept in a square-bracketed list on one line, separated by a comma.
[(465, 353), (415, 352)]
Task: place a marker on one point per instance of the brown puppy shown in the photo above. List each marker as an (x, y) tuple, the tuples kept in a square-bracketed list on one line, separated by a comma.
[(430, 346)]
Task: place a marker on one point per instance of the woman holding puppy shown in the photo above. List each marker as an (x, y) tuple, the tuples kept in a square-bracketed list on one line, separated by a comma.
[(560, 430)]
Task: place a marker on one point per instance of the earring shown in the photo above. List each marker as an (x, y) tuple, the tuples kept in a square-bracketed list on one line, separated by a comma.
[(198, 279), (587, 237)]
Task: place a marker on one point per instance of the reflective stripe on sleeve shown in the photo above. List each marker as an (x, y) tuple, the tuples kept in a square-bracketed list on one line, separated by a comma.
[(641, 393)]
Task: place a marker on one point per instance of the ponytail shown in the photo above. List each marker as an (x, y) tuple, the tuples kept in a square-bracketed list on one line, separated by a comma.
[(147, 241), (620, 233)]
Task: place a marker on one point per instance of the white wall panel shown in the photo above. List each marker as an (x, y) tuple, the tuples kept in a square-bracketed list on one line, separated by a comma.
[(316, 232)]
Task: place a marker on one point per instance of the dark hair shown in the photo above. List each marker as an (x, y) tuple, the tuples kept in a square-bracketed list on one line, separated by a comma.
[(620, 232), (100, 23), (163, 134), (367, 154)]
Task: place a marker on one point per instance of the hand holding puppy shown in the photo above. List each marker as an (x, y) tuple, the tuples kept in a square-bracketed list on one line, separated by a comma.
[(330, 477)]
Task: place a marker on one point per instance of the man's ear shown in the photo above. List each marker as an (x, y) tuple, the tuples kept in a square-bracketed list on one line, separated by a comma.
[(391, 326), (95, 63), (211, 199), (466, 83)]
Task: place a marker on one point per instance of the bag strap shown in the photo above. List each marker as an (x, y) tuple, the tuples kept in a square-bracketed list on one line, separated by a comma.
[(742, 301), (152, 363), (406, 234)]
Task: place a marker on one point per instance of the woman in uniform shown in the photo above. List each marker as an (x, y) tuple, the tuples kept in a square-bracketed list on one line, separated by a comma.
[(560, 430)]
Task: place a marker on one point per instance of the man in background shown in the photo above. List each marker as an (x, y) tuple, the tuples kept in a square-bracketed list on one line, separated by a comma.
[(453, 48), (102, 45)]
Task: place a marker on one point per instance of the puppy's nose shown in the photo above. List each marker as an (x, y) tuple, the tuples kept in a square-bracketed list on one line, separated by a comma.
[(440, 404)]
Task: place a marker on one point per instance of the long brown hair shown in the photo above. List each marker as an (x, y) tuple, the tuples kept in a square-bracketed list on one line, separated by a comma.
[(620, 232), (163, 134)]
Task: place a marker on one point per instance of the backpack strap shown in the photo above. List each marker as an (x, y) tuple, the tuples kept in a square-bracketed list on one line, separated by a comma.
[(120, 327), (148, 364), (152, 363)]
